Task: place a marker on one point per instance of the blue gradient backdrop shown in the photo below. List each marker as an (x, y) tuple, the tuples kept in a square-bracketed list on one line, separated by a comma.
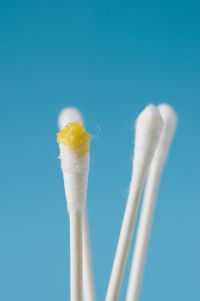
[(110, 59)]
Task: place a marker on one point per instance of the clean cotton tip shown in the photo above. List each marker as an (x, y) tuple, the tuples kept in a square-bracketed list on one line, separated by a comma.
[(148, 129), (169, 125), (68, 115), (169, 117)]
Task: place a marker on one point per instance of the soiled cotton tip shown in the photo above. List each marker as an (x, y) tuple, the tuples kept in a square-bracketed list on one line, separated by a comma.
[(75, 138), (68, 115), (74, 143), (148, 129)]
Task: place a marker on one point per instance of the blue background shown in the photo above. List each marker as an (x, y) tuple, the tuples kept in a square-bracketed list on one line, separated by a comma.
[(110, 59)]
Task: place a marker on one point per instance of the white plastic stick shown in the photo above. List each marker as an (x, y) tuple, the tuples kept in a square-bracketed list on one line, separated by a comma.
[(147, 211), (88, 280), (75, 172), (148, 128), (73, 115), (76, 255)]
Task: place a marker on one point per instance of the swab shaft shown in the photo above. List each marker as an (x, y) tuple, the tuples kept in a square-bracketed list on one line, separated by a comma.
[(143, 234), (76, 255), (88, 282), (124, 242)]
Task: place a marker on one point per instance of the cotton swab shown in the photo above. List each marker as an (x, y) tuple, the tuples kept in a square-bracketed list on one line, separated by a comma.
[(169, 124), (74, 143), (66, 116), (148, 128)]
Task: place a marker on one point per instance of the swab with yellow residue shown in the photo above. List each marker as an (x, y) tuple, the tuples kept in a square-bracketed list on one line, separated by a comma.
[(66, 116), (74, 143)]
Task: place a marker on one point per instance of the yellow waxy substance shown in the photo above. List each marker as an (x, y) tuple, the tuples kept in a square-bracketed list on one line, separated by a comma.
[(75, 137)]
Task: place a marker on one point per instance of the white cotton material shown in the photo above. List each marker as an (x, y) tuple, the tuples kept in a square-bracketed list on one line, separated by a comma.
[(169, 125), (68, 115), (148, 128), (75, 173), (147, 211)]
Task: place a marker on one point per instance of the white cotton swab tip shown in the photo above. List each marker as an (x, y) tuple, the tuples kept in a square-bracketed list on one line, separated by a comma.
[(148, 128), (67, 115), (169, 125)]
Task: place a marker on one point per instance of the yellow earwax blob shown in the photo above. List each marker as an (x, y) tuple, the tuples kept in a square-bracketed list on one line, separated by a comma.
[(75, 137)]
